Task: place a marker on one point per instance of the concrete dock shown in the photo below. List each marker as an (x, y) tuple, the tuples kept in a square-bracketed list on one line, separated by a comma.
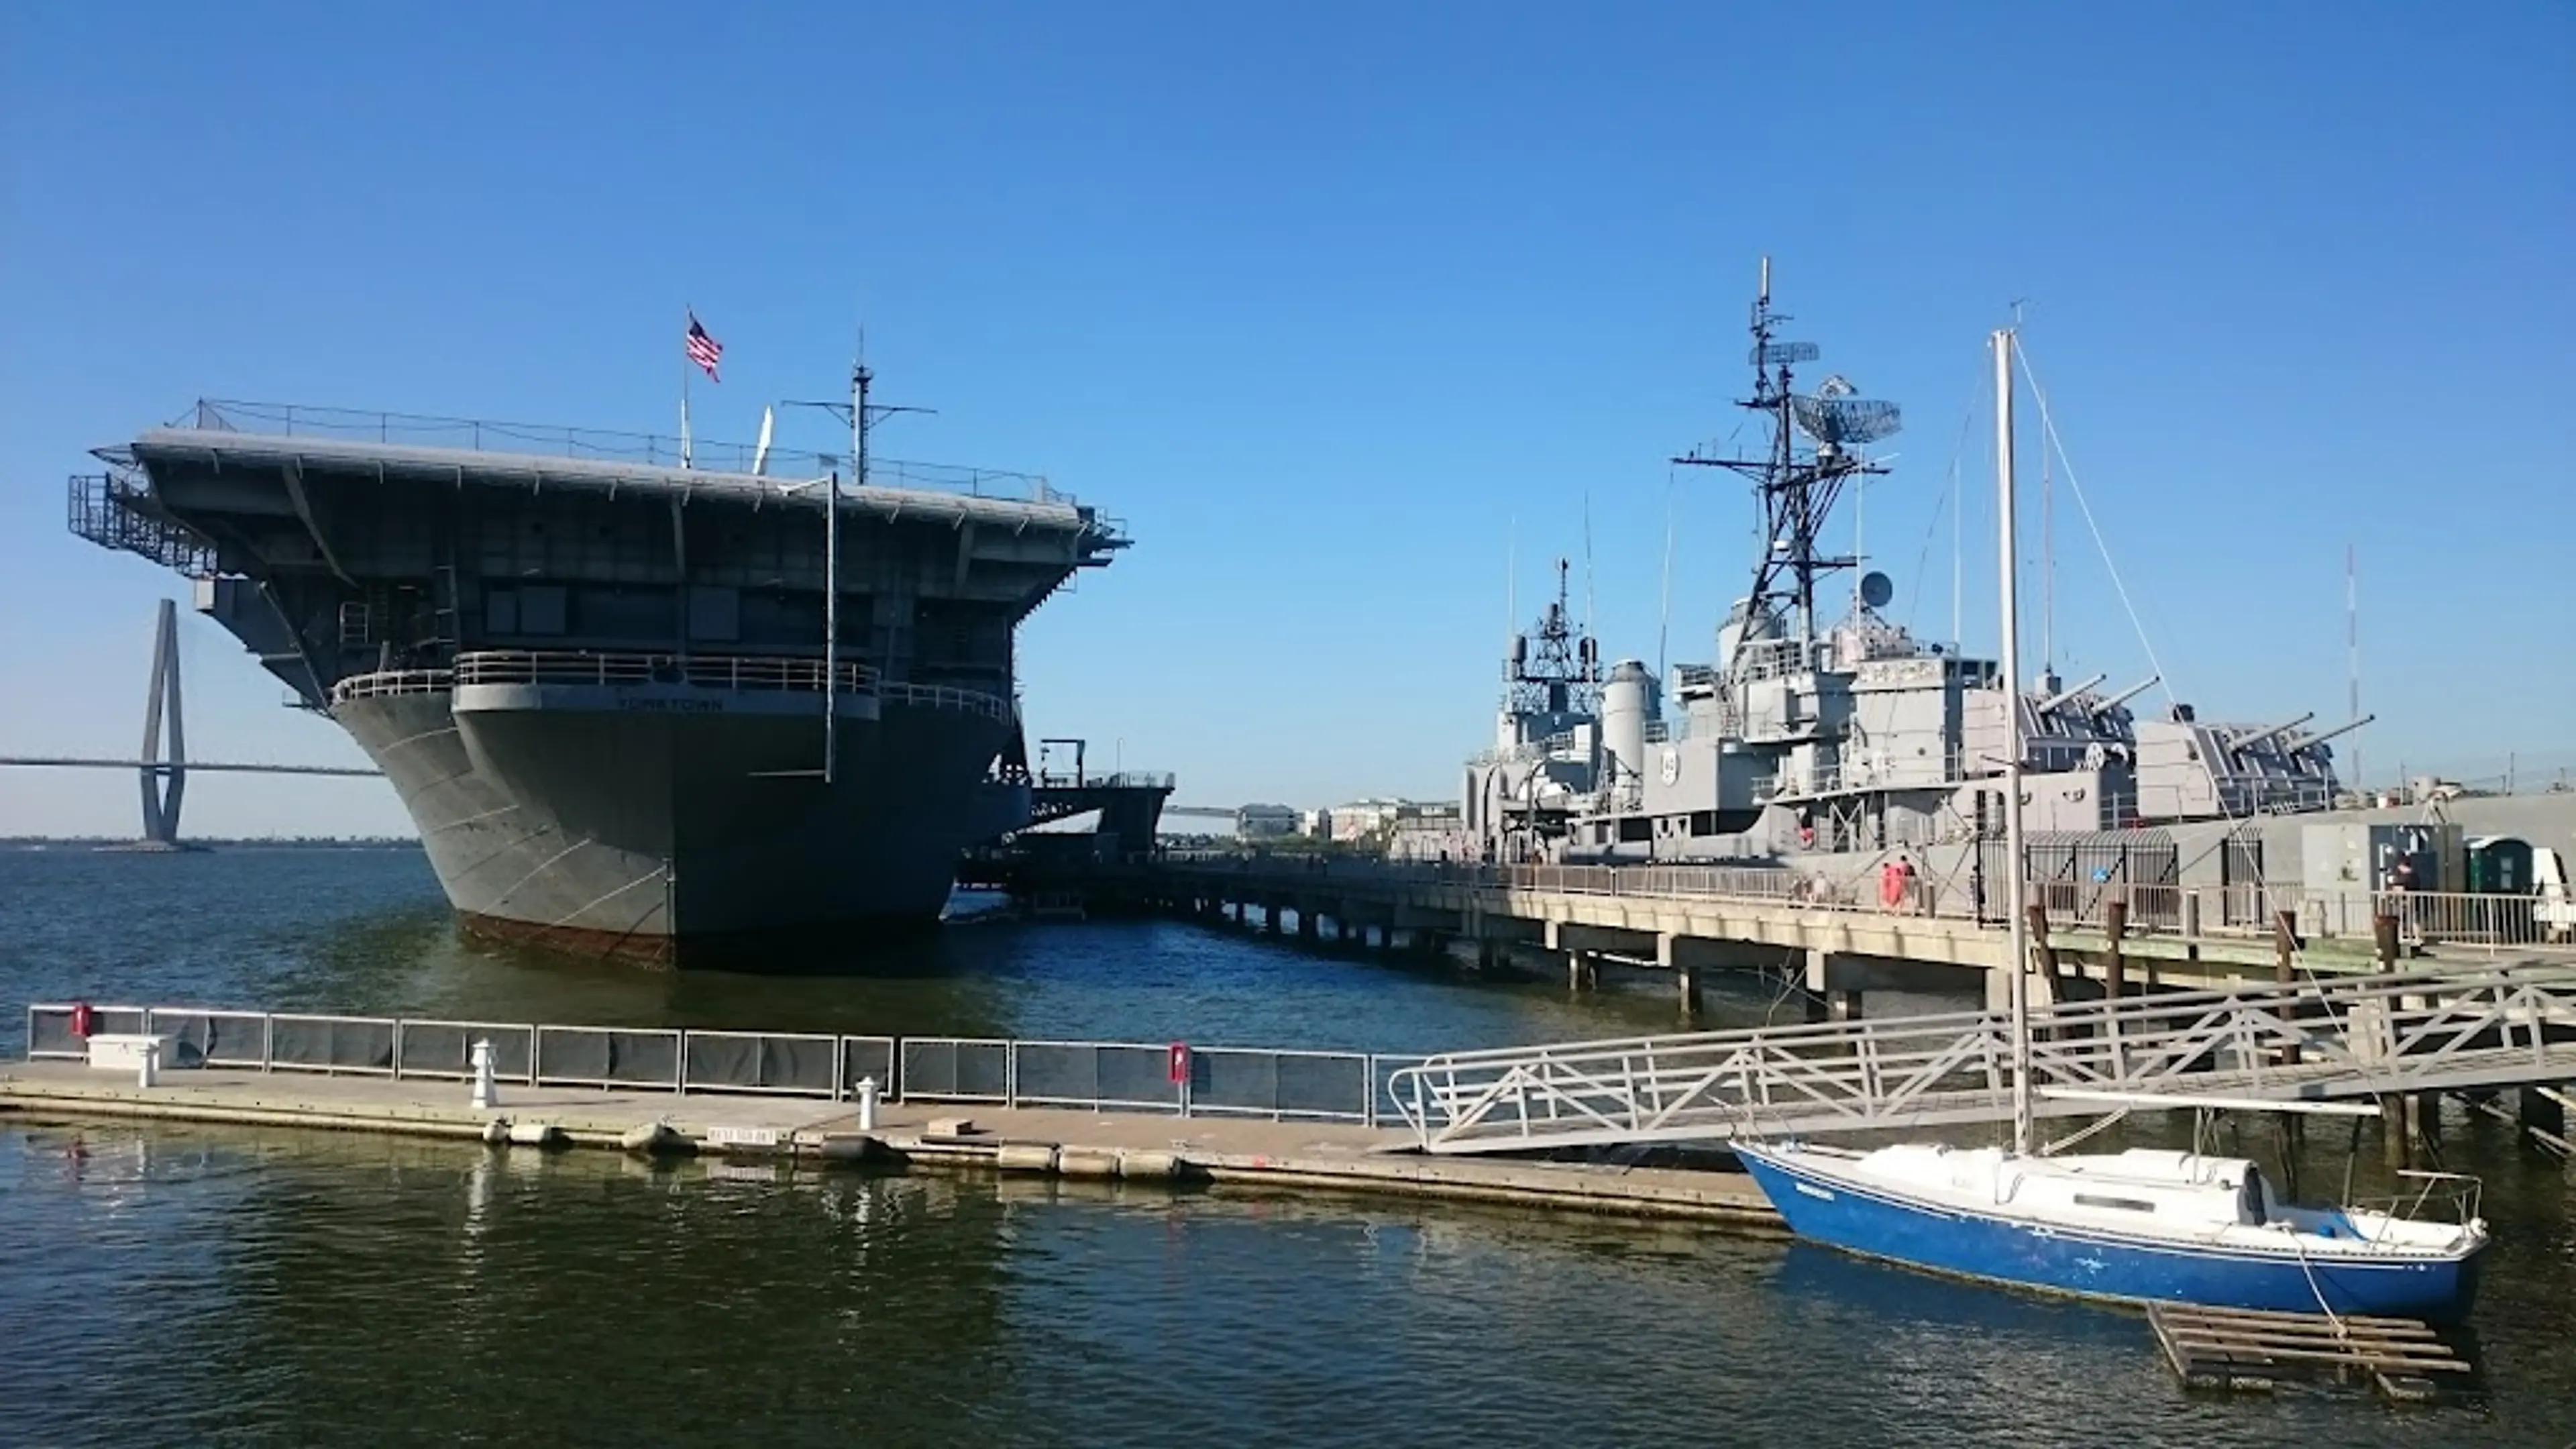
[(2091, 940), (1290, 1155)]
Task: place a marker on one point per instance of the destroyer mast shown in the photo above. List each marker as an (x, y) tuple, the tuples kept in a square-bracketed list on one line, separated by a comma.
[(1797, 487)]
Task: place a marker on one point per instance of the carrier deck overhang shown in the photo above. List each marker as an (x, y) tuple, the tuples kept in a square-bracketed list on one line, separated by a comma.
[(331, 555), (176, 455)]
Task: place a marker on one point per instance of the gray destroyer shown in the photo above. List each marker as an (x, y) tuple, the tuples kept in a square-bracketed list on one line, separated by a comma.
[(1830, 744), (596, 666)]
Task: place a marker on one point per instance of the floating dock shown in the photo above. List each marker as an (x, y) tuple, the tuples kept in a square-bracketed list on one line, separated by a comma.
[(2244, 1349), (1230, 1150)]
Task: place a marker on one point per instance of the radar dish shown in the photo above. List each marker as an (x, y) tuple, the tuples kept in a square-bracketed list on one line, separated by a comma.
[(1876, 589), (1767, 354), (1834, 417)]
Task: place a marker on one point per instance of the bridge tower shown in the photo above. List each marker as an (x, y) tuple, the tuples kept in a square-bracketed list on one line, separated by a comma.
[(164, 781)]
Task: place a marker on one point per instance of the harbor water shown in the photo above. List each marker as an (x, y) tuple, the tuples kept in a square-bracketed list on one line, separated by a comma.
[(165, 1283)]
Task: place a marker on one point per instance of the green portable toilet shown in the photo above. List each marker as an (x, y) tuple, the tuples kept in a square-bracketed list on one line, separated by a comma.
[(2499, 865)]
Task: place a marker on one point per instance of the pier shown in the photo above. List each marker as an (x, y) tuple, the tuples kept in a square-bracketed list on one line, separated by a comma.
[(2090, 942), (2401, 1040), (1060, 1142), (1234, 1116)]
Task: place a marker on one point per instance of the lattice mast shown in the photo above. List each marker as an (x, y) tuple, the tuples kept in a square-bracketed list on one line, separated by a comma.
[(1796, 485), (1554, 668)]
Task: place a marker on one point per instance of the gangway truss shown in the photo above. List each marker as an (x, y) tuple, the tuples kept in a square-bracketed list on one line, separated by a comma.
[(2341, 1038)]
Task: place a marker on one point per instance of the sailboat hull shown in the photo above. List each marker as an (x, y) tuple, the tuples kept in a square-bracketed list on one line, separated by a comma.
[(2095, 1264)]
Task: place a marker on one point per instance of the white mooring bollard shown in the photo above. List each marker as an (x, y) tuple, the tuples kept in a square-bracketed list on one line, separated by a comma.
[(147, 1063), (485, 1098), (867, 1104)]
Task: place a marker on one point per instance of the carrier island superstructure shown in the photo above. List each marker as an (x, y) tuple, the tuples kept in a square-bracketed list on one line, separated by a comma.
[(1846, 741), (594, 665)]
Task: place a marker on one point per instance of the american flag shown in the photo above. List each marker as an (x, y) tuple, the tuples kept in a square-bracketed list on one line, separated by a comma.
[(705, 351)]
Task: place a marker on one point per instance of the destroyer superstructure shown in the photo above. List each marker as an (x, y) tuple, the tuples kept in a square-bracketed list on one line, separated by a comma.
[(1851, 737), (599, 678)]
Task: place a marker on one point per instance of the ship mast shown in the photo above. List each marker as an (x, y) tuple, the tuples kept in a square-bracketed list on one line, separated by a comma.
[(1554, 669), (863, 416), (1797, 487)]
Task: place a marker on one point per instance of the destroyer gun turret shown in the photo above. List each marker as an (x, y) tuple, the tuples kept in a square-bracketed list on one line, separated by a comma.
[(2066, 694), (2130, 693), (2240, 743), (2318, 737)]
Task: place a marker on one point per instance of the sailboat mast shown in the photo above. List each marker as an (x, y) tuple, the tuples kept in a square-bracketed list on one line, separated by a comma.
[(2016, 885)]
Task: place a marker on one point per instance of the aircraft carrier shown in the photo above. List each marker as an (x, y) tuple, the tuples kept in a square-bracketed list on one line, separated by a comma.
[(596, 667)]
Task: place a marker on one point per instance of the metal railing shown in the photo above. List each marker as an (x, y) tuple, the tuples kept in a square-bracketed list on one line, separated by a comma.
[(2426, 1031), (1122, 780), (618, 669), (108, 510), (946, 696), (1527, 751), (386, 682), (801, 1064), (1849, 776), (1283, 1085), (651, 449), (2426, 918), (614, 667)]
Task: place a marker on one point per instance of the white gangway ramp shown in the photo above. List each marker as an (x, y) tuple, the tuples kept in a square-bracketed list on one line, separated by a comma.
[(2486, 1026)]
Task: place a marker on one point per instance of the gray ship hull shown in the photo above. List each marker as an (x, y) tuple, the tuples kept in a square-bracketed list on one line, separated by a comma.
[(617, 823)]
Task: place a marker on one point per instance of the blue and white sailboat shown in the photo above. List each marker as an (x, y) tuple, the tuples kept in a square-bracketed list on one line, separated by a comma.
[(2140, 1226), (2151, 1226)]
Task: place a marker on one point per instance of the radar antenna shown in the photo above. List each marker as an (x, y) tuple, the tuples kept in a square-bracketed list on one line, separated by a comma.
[(1797, 486), (1555, 669), (1836, 419)]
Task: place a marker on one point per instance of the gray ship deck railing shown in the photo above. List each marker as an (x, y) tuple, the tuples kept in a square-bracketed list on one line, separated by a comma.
[(615, 669), (946, 696), (1323, 1086), (704, 671), (298, 420), (115, 510), (386, 682), (1121, 780), (1790, 783)]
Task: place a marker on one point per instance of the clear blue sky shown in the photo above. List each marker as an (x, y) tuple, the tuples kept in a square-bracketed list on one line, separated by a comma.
[(1322, 299)]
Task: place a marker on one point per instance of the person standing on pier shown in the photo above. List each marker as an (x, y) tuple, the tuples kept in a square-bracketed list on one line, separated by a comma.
[(2401, 886)]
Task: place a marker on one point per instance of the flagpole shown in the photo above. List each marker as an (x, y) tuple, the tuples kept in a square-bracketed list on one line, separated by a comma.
[(688, 315)]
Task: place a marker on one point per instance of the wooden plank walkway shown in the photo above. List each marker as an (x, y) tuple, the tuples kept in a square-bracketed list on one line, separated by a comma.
[(2239, 1348)]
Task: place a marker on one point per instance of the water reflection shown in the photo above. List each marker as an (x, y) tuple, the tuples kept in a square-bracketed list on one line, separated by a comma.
[(257, 1287)]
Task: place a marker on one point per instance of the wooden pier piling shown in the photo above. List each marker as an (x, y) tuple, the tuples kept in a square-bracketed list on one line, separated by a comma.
[(2115, 963)]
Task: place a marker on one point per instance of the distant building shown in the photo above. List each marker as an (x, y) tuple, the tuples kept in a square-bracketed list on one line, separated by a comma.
[(1265, 822), (1316, 824), (1429, 830), (1384, 819), (1362, 818)]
